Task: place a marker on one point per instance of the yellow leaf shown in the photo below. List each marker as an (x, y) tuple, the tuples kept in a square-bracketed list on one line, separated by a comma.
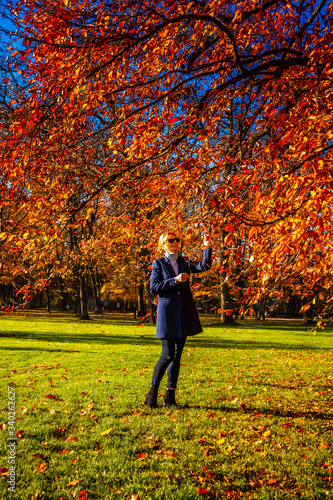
[(220, 441), (105, 433), (74, 482), (267, 434)]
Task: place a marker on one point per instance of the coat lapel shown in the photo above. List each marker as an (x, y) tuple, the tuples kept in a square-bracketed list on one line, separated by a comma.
[(183, 266)]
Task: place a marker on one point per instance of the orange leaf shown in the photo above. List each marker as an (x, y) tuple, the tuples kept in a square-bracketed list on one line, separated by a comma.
[(74, 482), (41, 467), (272, 481)]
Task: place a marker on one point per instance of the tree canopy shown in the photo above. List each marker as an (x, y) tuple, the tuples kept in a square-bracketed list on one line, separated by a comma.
[(182, 114)]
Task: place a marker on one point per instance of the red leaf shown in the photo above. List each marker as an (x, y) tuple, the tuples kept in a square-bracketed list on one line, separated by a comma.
[(207, 472), (175, 119), (141, 455), (202, 491)]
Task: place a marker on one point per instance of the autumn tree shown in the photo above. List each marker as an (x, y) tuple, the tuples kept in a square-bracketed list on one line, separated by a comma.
[(229, 103)]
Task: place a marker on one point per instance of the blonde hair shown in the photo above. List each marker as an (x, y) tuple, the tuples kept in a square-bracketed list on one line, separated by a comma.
[(162, 240)]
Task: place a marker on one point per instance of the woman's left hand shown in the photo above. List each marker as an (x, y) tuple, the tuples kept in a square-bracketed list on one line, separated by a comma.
[(207, 239)]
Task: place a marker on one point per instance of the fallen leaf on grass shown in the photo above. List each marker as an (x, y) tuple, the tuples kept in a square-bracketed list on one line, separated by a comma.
[(105, 433), (74, 482), (64, 451), (19, 434), (38, 455), (83, 495), (325, 446), (41, 467), (141, 455), (135, 497), (202, 441), (220, 441), (35, 406), (256, 414), (202, 491), (4, 471), (207, 472), (271, 481)]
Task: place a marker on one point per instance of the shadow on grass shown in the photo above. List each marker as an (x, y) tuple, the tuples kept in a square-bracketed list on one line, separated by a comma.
[(250, 411), (149, 339), (256, 412)]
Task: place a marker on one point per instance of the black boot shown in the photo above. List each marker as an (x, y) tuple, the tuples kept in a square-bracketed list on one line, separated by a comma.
[(151, 398), (169, 398)]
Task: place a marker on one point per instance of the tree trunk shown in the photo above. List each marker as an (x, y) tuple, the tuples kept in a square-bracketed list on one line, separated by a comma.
[(141, 305), (150, 306), (48, 299), (83, 297), (97, 300), (226, 303)]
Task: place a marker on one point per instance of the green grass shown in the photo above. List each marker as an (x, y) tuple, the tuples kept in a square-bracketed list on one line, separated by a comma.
[(255, 418)]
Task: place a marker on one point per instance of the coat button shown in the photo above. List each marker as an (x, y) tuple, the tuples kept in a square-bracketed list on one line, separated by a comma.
[(178, 293)]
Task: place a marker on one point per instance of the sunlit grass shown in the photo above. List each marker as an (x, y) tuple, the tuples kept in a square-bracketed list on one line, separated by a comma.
[(255, 416)]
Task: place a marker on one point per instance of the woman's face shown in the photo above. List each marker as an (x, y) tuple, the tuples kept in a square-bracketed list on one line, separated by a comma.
[(172, 247)]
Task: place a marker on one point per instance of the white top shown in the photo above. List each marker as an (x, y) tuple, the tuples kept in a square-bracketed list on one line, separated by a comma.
[(173, 261)]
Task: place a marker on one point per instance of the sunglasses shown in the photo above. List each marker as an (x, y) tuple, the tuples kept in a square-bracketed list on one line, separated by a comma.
[(171, 240)]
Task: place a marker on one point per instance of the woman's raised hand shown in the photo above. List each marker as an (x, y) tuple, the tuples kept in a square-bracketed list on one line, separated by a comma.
[(207, 239)]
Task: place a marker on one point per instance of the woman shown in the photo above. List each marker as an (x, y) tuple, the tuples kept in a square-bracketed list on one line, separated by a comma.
[(177, 317)]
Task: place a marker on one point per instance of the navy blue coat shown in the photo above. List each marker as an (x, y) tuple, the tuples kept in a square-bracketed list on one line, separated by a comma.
[(176, 312)]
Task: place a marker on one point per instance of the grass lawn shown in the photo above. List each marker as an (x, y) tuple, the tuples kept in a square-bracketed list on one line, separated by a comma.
[(255, 418)]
